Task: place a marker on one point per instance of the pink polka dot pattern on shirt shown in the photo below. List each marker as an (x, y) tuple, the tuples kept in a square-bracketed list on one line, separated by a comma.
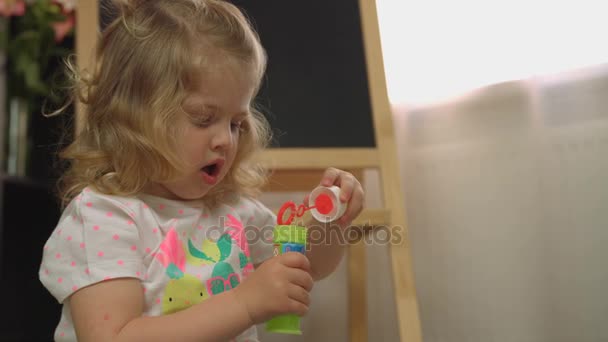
[(89, 204), (100, 254), (95, 227), (109, 214), (133, 248), (115, 237), (120, 262)]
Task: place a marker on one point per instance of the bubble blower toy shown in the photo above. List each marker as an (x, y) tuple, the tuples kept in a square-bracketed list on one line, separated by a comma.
[(324, 204)]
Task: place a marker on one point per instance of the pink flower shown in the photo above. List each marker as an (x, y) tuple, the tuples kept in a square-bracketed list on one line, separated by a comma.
[(64, 27), (67, 5), (12, 8)]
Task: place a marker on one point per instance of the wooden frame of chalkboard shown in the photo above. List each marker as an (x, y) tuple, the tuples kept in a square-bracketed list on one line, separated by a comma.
[(370, 143)]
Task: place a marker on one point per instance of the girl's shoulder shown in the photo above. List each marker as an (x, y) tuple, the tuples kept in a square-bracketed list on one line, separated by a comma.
[(92, 201)]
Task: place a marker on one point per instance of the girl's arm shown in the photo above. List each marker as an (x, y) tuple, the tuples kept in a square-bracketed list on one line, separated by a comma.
[(112, 311), (325, 253)]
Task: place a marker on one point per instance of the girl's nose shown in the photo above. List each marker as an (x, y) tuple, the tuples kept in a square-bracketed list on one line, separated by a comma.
[(222, 139)]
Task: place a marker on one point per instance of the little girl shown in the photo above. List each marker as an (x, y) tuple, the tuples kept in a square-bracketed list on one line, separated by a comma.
[(159, 195)]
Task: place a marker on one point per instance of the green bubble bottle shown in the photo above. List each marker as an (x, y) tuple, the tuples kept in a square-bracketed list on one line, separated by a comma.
[(287, 238)]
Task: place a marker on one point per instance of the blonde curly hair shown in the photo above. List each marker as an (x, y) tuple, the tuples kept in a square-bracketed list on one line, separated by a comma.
[(146, 61)]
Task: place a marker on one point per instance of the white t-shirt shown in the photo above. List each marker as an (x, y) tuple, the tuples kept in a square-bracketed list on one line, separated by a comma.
[(182, 252)]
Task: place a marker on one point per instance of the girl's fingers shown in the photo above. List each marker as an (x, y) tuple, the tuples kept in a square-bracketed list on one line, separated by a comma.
[(355, 206), (299, 294), (301, 278), (297, 307), (347, 185), (330, 176)]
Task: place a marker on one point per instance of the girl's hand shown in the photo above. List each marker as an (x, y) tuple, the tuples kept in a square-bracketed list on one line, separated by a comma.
[(351, 192), (281, 285)]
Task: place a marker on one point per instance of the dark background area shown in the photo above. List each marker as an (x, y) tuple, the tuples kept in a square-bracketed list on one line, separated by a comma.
[(30, 211), (316, 92), (29, 214)]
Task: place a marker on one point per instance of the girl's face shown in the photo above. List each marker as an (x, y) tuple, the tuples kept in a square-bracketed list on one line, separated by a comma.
[(210, 133)]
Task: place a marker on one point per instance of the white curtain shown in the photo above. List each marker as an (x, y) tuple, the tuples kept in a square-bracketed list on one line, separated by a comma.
[(507, 202)]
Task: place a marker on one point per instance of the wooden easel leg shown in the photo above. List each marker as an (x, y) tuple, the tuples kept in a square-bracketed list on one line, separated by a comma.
[(357, 280), (405, 292), (357, 296)]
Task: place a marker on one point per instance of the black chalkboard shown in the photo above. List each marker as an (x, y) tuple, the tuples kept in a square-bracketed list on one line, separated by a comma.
[(315, 93)]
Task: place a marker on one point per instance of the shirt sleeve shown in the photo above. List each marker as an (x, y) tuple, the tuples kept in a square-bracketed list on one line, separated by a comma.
[(260, 226), (95, 240)]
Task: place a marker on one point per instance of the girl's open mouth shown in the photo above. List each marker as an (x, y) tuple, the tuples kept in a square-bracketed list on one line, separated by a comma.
[(210, 172)]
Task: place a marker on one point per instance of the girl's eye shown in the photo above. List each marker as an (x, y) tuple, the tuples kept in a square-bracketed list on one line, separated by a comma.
[(202, 121), (236, 125)]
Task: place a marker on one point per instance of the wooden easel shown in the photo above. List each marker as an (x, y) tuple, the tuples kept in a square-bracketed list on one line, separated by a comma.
[(299, 169)]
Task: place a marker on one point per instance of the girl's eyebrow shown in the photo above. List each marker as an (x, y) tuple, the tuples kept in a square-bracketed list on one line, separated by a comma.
[(241, 115), (201, 105)]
